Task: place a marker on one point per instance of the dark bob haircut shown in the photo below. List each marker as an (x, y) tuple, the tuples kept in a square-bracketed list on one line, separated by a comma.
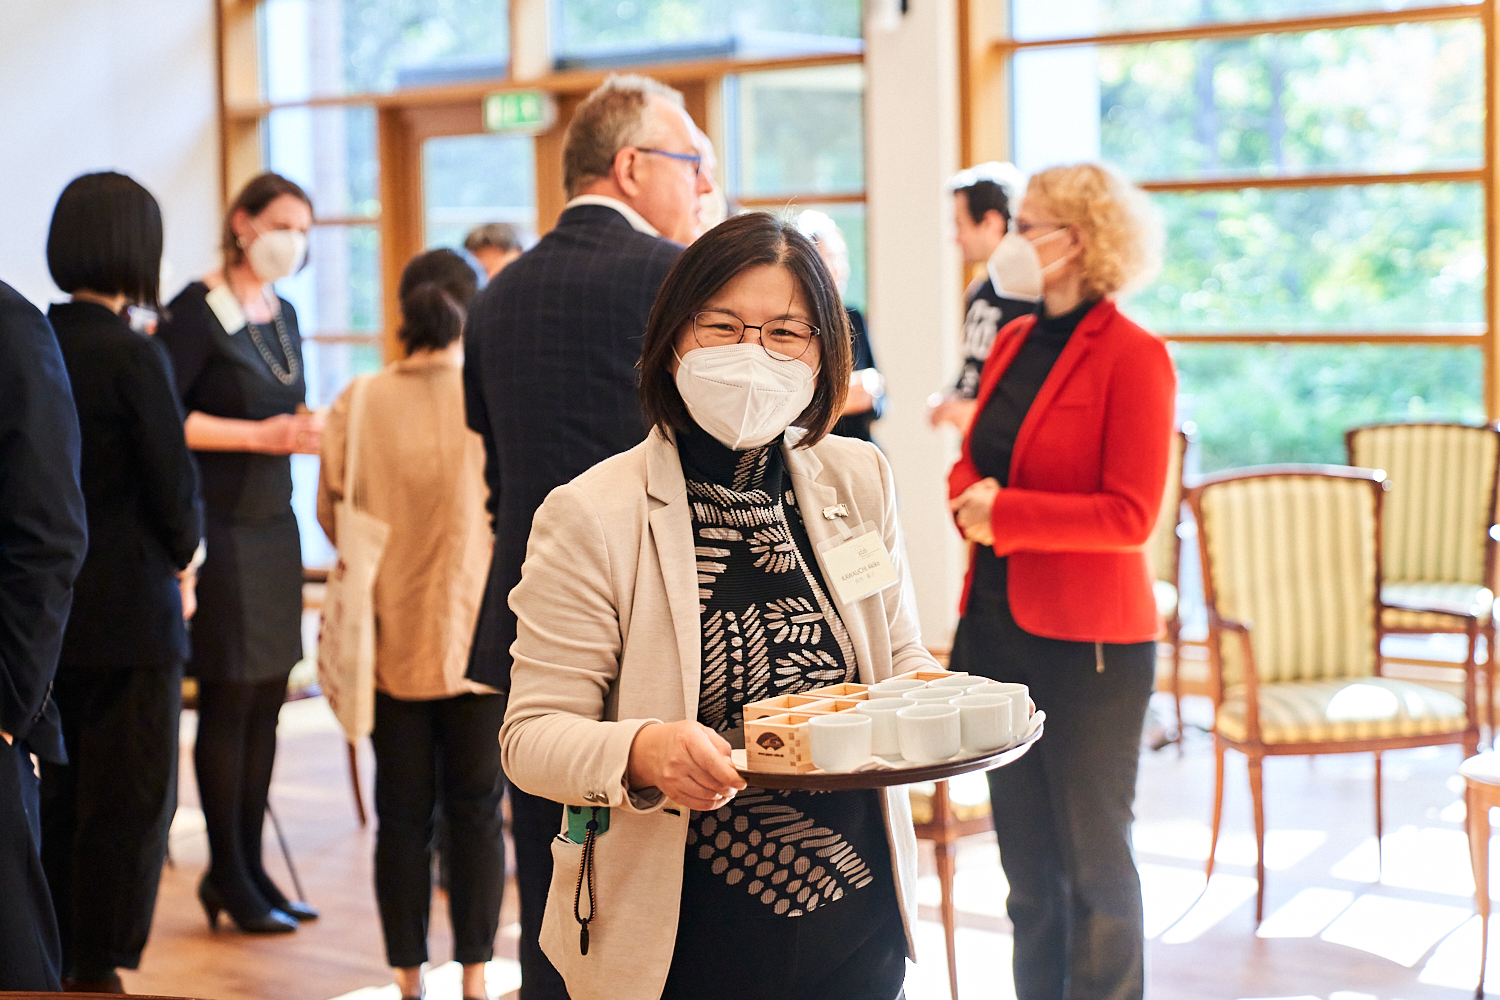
[(983, 197), (435, 291), (747, 241), (253, 198), (106, 238)]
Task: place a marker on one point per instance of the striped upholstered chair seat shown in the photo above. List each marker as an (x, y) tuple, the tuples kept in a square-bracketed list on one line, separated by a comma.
[(1440, 604), (1339, 710)]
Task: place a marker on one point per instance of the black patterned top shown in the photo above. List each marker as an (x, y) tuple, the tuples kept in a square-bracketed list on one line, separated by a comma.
[(769, 628)]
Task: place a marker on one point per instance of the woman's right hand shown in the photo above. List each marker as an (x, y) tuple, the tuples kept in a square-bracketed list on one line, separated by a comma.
[(291, 434), (686, 761)]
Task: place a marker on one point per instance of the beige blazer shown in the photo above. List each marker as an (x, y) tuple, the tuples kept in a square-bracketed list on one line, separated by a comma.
[(608, 639), (422, 472)]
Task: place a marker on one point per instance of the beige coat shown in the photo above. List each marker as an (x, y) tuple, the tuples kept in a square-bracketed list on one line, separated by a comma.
[(422, 472), (609, 638)]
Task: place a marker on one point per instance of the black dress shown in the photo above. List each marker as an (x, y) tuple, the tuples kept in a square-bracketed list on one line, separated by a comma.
[(248, 628), (785, 894)]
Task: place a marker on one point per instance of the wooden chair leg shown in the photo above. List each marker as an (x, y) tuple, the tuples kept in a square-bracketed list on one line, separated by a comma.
[(359, 798), (1477, 823), (947, 865), (1489, 678), (1213, 839), (1260, 838), (1174, 635), (1379, 824)]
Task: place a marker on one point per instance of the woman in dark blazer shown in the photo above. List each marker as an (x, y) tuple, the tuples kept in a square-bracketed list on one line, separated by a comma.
[(1058, 487), (105, 814), (238, 358)]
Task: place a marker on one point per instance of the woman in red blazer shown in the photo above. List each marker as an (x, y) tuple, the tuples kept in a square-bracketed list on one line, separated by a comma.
[(1058, 487)]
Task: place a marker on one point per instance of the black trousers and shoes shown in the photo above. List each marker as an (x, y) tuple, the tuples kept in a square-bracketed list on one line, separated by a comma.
[(106, 813), (233, 756), (420, 747)]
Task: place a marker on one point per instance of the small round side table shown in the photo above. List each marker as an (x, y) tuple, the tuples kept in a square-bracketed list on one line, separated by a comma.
[(1481, 774)]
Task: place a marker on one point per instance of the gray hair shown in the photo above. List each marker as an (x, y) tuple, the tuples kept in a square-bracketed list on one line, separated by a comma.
[(500, 235), (611, 118)]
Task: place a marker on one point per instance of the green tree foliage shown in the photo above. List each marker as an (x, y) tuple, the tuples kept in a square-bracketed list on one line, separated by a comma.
[(382, 37), (586, 23)]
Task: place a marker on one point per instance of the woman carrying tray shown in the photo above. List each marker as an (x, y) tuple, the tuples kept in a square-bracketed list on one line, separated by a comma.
[(669, 586), (1059, 486)]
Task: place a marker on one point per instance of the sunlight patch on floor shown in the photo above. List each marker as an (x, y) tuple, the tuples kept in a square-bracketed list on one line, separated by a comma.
[(445, 982), (1306, 914), (1189, 841), (1225, 894), (1399, 930), (1427, 859)]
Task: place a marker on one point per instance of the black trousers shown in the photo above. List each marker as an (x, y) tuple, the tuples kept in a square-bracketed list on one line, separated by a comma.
[(1063, 812), (419, 745), (233, 757), (534, 821), (107, 812), (30, 956)]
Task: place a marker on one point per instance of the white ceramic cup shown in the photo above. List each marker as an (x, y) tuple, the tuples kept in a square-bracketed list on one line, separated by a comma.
[(985, 721), (840, 742), (893, 687), (1020, 707), (977, 684), (958, 680), (884, 741), (932, 695), (928, 733)]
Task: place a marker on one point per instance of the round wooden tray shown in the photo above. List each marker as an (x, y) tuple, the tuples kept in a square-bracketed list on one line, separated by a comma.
[(820, 781)]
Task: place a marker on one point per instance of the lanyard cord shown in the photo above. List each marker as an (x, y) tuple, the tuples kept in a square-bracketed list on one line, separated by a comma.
[(586, 872)]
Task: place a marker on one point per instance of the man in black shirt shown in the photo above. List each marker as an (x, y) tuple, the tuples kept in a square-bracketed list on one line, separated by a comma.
[(983, 198)]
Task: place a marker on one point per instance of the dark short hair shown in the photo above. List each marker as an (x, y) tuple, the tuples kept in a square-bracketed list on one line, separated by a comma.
[(106, 238), (253, 198), (984, 197), (500, 235), (755, 239), (435, 291)]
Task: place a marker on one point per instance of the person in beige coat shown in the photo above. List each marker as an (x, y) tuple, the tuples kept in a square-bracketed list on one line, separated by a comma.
[(421, 470), (663, 590)]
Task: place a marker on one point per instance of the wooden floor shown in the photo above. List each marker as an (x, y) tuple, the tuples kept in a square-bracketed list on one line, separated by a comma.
[(1334, 930)]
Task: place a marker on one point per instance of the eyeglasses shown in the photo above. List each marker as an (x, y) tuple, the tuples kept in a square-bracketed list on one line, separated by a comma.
[(1027, 228), (782, 339), (696, 159)]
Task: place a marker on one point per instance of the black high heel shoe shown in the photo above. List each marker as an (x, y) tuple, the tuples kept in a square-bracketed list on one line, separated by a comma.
[(273, 922), (294, 908), (298, 911)]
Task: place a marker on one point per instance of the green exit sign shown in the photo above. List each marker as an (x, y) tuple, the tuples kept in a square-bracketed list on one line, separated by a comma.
[(527, 111)]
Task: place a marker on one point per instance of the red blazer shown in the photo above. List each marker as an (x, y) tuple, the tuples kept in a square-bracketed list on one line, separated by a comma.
[(1086, 481)]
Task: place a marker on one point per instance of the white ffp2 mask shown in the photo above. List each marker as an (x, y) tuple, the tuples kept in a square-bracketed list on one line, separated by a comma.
[(741, 395), (277, 254)]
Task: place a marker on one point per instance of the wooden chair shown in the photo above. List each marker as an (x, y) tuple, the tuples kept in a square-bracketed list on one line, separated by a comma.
[(1481, 776), (941, 820), (1437, 554), (1165, 549), (1291, 579)]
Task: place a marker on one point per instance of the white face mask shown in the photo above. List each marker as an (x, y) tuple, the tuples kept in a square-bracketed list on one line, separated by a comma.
[(276, 254), (741, 395), (1016, 270)]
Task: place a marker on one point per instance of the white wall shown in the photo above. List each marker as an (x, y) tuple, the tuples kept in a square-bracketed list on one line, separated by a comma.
[(911, 137), (103, 85)]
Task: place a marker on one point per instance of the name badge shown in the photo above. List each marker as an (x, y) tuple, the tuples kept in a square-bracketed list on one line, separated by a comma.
[(857, 565), (226, 309)]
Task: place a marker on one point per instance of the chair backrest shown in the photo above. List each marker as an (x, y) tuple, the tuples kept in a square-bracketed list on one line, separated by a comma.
[(1165, 548), (1293, 553), (1437, 517)]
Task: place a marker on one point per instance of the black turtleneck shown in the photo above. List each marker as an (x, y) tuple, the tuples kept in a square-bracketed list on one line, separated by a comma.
[(993, 438)]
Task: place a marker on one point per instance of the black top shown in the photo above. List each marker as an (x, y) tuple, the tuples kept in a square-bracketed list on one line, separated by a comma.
[(550, 353), (140, 488), (993, 437), (223, 373), (986, 313), (43, 535), (769, 628), (857, 425)]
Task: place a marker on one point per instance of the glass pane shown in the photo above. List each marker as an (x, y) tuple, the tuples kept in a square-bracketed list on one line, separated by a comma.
[(1255, 404), (468, 180), (797, 131), (331, 153), (314, 48), (332, 366), (1393, 257), (1035, 19), (603, 32), (339, 291), (1385, 99)]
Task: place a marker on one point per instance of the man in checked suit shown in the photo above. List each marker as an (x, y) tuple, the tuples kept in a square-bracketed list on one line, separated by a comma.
[(42, 542), (550, 380)]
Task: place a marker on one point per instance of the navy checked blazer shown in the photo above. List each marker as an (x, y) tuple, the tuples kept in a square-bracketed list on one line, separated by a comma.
[(550, 354)]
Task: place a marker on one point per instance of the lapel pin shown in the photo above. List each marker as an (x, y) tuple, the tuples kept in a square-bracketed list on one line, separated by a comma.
[(837, 510)]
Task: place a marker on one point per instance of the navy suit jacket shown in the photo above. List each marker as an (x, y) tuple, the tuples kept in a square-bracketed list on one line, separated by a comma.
[(42, 529), (550, 383)]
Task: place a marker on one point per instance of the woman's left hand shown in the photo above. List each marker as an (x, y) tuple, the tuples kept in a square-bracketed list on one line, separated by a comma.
[(187, 584), (972, 509)]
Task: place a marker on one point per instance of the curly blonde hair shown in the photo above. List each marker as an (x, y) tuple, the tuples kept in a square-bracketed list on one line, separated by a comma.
[(1121, 229)]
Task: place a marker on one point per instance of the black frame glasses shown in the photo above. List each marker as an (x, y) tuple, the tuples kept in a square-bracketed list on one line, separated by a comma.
[(696, 159), (784, 345)]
